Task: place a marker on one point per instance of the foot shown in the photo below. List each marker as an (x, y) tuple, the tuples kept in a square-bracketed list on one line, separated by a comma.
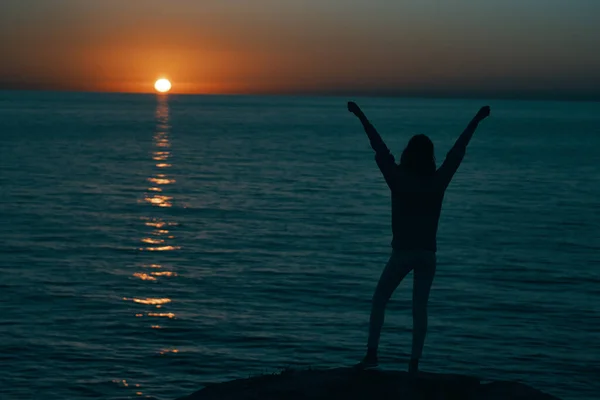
[(413, 366), (369, 362)]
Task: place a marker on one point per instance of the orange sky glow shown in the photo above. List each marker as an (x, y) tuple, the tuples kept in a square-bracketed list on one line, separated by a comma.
[(284, 47)]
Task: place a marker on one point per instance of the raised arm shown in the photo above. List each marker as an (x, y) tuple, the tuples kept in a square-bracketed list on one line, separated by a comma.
[(376, 142), (457, 153), (385, 160)]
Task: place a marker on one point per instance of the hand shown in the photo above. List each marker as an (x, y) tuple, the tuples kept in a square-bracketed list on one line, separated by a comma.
[(354, 108), (483, 113)]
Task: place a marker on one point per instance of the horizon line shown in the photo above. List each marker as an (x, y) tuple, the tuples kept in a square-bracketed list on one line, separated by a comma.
[(393, 93)]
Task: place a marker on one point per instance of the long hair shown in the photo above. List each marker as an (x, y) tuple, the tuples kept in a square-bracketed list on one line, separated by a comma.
[(418, 156)]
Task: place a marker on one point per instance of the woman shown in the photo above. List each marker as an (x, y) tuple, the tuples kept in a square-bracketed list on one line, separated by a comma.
[(417, 192)]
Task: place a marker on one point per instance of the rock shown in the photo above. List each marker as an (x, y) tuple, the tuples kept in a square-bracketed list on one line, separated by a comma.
[(350, 384), (510, 390)]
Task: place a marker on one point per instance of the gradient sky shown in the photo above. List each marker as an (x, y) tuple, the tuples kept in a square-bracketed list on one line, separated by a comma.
[(545, 47)]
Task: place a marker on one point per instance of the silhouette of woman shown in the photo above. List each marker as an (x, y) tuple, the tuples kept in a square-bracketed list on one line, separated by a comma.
[(417, 189)]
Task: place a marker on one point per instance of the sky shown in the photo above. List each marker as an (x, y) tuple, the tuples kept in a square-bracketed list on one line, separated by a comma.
[(389, 47)]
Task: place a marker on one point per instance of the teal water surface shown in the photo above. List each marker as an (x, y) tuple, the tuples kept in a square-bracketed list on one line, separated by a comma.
[(154, 244)]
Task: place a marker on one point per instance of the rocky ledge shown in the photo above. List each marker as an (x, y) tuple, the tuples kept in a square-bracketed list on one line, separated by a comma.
[(349, 384)]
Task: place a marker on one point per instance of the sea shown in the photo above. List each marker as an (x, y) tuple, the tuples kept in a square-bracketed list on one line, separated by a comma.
[(154, 244)]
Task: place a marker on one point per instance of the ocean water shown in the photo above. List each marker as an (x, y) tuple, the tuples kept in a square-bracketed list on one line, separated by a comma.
[(151, 245)]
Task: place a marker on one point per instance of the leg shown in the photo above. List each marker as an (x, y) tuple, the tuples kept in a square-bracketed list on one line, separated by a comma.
[(423, 278), (395, 270)]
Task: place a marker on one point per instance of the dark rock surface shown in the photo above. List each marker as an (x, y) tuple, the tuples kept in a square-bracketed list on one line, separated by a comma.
[(349, 384)]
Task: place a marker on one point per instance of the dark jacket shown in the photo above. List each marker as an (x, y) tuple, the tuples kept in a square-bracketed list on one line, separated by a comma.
[(416, 201)]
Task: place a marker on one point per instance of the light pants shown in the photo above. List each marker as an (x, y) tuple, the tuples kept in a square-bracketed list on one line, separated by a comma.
[(400, 264)]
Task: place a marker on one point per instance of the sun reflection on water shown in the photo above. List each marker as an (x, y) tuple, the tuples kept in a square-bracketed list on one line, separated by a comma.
[(143, 276), (166, 351), (161, 180), (160, 200), (156, 224), (152, 305), (161, 155), (151, 301), (163, 273), (160, 248), (152, 241), (158, 237), (168, 315)]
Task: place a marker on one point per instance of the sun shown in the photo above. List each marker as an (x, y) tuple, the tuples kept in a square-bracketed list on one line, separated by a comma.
[(162, 85)]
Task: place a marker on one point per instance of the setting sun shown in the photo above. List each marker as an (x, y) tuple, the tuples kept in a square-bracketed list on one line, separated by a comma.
[(162, 85)]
